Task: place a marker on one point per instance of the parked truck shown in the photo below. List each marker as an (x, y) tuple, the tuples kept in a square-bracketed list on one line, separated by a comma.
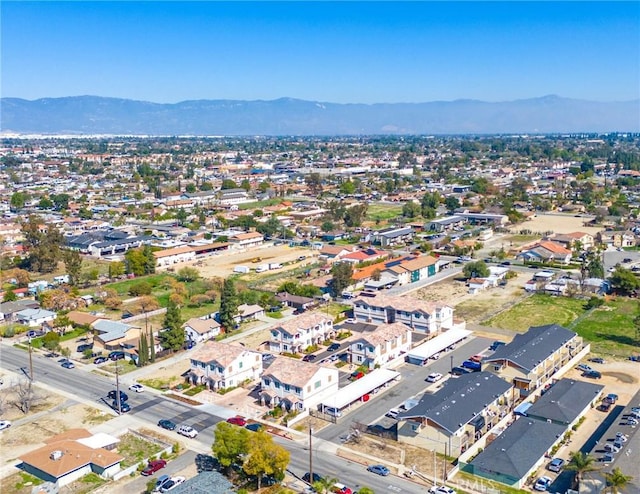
[(241, 269), (275, 265), (262, 268)]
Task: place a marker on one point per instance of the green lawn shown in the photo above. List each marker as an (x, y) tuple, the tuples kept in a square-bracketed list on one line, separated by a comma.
[(609, 328), (538, 310), (383, 212), (259, 204)]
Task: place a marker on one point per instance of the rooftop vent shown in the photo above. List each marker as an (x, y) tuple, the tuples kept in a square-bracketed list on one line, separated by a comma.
[(56, 455)]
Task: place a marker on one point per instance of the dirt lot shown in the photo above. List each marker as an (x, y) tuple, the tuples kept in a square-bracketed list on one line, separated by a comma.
[(222, 265), (557, 223)]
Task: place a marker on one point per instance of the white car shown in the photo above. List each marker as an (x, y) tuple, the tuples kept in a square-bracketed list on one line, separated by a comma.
[(138, 388), (433, 377), (4, 424), (172, 483), (441, 489), (188, 431), (542, 483), (393, 413)]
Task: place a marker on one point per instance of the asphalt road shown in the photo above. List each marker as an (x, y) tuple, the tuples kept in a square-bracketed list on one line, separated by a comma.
[(151, 407), (412, 384)]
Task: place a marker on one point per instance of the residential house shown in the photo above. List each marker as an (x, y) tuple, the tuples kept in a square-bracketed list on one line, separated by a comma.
[(446, 224), (198, 330), (570, 240), (420, 315), (221, 365), (296, 302), (110, 335), (616, 238), (71, 455), (246, 240), (532, 358), (295, 335), (8, 310), (380, 347), (34, 317), (455, 416), (546, 251), (206, 483), (248, 312), (516, 454), (168, 257), (297, 385), (332, 253), (496, 220), (364, 255), (392, 236), (233, 197)]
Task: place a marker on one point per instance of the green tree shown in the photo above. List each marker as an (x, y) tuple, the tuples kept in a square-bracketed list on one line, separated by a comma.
[(617, 481), (17, 201), (149, 260), (188, 274), (265, 457), (9, 296), (636, 323), (246, 185), (45, 203), (228, 305), (143, 350), (476, 269), (354, 216), (411, 210), (116, 269), (231, 444), (580, 463), (365, 490), (42, 244), (451, 203), (73, 265), (324, 485), (190, 188), (624, 280), (51, 341), (134, 261), (342, 277), (173, 335), (314, 183), (140, 288), (227, 183), (61, 201), (327, 226), (347, 187), (270, 227)]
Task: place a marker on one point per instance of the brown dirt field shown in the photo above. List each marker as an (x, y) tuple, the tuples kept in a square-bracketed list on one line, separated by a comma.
[(557, 223), (222, 265)]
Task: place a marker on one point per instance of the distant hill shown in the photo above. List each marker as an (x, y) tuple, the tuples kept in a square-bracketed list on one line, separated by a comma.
[(287, 116)]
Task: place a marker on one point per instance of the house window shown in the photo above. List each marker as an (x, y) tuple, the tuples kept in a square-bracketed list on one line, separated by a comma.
[(212, 367), (267, 382), (360, 346), (220, 370), (203, 365), (317, 384), (359, 358), (298, 390), (239, 365), (287, 387), (496, 368), (300, 406), (276, 384)]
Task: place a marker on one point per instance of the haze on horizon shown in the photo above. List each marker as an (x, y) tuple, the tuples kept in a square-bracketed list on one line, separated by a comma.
[(340, 52)]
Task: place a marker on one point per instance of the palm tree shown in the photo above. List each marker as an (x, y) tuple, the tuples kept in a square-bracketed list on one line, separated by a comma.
[(324, 485), (616, 480), (581, 463)]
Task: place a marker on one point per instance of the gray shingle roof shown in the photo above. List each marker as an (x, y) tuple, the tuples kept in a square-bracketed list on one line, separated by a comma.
[(459, 400), (564, 401), (514, 452), (529, 349), (206, 483)]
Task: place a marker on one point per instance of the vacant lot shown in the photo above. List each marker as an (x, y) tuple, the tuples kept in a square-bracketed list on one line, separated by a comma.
[(558, 223), (382, 212), (609, 328)]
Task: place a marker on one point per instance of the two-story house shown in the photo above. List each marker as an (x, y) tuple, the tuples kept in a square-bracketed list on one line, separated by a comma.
[(297, 385), (199, 330), (532, 358), (221, 365), (379, 347), (450, 420), (420, 315), (295, 335)]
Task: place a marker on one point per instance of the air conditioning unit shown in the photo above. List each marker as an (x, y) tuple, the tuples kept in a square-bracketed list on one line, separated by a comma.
[(56, 455)]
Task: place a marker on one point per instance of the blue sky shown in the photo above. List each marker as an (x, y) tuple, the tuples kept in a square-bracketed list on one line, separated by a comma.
[(344, 52)]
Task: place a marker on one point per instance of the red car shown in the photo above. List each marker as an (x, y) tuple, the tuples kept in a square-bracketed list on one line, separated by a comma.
[(237, 421), (153, 467)]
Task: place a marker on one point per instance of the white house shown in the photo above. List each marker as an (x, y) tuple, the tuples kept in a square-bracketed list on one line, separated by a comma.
[(379, 347), (222, 365), (34, 317), (199, 330), (248, 312), (297, 385), (420, 315), (247, 240), (293, 336)]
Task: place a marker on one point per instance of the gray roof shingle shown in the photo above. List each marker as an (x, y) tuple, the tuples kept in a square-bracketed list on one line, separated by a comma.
[(564, 401)]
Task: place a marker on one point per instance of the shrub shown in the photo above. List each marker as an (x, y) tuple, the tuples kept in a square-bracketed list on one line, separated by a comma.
[(593, 302), (175, 449), (142, 288)]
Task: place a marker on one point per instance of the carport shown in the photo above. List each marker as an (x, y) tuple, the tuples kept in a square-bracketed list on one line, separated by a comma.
[(420, 354), (360, 389)]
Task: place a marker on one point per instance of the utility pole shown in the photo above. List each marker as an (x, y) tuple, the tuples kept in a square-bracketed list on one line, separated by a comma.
[(310, 454), (30, 362)]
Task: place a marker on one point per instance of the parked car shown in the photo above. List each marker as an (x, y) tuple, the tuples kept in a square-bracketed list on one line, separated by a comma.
[(309, 358), (307, 478), (100, 360), (611, 398), (378, 470), (255, 427), (542, 483), (470, 364), (68, 365), (584, 368), (4, 424), (241, 421), (187, 431), (267, 357), (112, 395), (172, 483), (153, 467), (333, 347), (393, 413), (593, 374), (161, 480), (441, 489), (82, 348), (138, 388), (496, 344), (555, 465), (597, 360), (124, 406), (117, 355), (339, 488), (433, 377), (605, 406), (167, 424), (459, 371)]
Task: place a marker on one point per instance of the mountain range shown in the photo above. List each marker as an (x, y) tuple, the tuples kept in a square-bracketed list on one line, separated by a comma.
[(288, 116)]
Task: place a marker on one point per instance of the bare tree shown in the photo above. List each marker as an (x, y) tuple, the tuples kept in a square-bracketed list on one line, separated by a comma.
[(25, 396)]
